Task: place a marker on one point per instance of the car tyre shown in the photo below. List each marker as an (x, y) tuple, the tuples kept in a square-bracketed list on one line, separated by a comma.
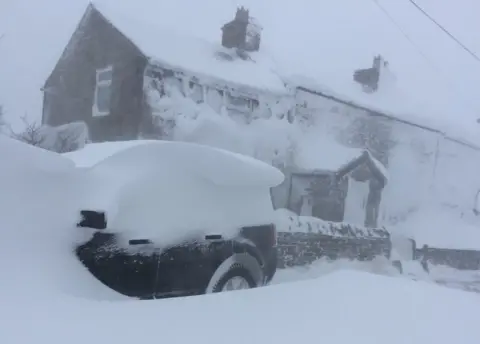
[(236, 278)]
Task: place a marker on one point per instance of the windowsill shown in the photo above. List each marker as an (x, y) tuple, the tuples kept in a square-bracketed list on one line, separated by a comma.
[(238, 109), (96, 113)]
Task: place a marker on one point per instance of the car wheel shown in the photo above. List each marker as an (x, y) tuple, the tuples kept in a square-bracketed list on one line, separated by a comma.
[(237, 278)]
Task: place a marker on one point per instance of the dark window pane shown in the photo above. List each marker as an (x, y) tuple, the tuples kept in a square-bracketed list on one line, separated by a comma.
[(103, 98), (105, 75), (238, 101)]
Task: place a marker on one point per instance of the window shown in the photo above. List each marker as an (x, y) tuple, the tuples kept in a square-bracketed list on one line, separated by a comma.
[(240, 103), (103, 92), (196, 92)]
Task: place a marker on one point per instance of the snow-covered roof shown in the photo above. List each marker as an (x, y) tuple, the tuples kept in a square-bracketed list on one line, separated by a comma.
[(419, 83), (169, 47), (315, 152), (317, 39), (324, 155), (411, 88)]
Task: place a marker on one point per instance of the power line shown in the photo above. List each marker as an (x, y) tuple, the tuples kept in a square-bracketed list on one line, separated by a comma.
[(416, 46), (463, 46), (407, 36)]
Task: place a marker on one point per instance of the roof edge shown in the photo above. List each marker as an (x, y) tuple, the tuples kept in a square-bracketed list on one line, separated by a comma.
[(85, 17)]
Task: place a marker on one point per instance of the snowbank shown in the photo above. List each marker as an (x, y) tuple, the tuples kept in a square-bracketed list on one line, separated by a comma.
[(389, 311), (47, 291), (16, 154), (441, 227), (38, 213)]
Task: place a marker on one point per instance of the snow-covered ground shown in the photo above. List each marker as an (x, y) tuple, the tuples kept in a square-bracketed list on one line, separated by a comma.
[(48, 296), (442, 227), (412, 270), (340, 308)]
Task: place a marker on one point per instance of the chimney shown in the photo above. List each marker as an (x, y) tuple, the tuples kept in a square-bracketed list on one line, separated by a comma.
[(242, 33), (242, 15), (369, 78)]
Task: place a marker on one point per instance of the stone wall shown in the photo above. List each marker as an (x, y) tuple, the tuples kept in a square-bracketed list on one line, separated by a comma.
[(299, 248), (455, 258)]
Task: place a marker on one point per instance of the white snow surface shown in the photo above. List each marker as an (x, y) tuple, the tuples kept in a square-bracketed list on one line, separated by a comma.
[(48, 296), (319, 153), (441, 227), (219, 166), (167, 191), (15, 154)]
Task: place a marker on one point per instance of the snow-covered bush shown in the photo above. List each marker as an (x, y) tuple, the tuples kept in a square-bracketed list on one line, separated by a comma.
[(68, 137), (61, 139)]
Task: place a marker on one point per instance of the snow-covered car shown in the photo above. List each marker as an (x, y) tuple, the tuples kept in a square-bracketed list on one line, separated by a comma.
[(176, 219)]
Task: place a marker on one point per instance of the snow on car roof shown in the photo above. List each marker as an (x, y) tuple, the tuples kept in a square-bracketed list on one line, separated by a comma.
[(169, 190), (93, 153), (220, 166)]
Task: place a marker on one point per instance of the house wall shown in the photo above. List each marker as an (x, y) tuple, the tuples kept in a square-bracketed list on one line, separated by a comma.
[(411, 171), (69, 92), (241, 104), (350, 127), (457, 175), (426, 168)]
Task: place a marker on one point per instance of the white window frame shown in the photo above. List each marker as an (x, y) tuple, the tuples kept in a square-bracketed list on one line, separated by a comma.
[(108, 83)]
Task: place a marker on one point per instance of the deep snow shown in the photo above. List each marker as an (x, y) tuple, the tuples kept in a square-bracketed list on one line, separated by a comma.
[(434, 88), (340, 308), (47, 296)]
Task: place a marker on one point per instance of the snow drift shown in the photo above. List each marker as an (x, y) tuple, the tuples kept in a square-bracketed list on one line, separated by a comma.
[(47, 296)]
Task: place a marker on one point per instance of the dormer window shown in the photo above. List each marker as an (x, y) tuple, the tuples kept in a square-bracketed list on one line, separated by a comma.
[(103, 92)]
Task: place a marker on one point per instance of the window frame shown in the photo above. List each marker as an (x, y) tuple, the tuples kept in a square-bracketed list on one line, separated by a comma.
[(101, 83), (250, 106)]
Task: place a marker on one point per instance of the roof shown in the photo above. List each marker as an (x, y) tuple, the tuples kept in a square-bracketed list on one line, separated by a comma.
[(323, 155), (416, 90), (171, 48), (429, 87), (426, 87)]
